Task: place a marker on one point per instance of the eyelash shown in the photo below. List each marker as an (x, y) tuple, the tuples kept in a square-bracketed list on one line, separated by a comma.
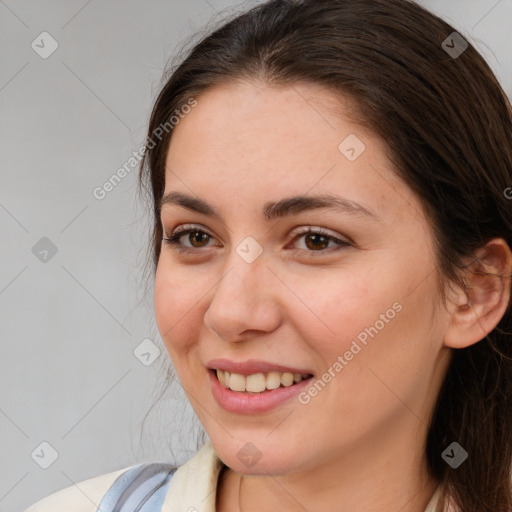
[(175, 237)]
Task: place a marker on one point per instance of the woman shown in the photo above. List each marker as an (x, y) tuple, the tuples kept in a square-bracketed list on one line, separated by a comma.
[(330, 185)]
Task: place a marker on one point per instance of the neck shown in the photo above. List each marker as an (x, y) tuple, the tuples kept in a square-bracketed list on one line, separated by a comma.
[(361, 479), (414, 500)]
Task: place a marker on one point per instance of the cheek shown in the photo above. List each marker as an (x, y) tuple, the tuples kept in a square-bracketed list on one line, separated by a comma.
[(178, 299), (380, 333), (377, 317), (338, 307)]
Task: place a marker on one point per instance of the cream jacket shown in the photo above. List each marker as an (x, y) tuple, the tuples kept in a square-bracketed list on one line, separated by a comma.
[(193, 486)]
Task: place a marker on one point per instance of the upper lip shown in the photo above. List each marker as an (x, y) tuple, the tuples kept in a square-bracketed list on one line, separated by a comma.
[(252, 366)]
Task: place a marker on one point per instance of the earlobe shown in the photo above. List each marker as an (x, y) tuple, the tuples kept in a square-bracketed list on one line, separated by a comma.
[(479, 308)]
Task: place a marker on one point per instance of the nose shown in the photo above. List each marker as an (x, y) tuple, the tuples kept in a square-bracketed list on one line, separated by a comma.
[(244, 301)]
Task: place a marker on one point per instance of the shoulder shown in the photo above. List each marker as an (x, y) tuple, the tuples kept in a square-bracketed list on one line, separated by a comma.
[(194, 482), (84, 496)]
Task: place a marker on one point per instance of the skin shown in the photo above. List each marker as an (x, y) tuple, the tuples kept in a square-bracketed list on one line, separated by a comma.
[(359, 444)]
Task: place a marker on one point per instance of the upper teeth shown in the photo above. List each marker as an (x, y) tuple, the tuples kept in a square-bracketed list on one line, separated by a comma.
[(258, 382)]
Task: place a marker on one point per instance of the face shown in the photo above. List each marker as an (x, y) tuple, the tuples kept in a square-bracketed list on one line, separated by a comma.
[(352, 302)]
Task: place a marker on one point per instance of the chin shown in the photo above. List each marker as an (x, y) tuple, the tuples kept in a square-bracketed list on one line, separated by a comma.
[(256, 457)]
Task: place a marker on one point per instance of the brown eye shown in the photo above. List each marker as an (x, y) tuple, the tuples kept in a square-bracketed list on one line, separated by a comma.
[(315, 242), (196, 238), (318, 241), (199, 237)]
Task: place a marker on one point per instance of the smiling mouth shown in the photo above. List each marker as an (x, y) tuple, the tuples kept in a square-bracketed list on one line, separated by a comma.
[(258, 383)]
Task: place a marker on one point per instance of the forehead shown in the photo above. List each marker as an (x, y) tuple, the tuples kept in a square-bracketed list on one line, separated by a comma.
[(253, 114), (249, 140)]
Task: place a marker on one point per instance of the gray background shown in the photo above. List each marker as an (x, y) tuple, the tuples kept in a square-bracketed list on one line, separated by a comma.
[(70, 325)]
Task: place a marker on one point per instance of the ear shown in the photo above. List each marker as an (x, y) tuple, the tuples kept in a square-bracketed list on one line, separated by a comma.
[(476, 311)]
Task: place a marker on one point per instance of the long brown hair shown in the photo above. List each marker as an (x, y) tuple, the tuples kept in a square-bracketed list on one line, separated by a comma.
[(447, 125)]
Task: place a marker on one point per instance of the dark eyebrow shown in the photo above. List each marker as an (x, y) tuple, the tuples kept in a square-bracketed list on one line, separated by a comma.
[(273, 210)]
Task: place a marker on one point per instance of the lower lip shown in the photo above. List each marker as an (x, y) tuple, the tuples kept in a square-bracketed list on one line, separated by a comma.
[(246, 403)]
